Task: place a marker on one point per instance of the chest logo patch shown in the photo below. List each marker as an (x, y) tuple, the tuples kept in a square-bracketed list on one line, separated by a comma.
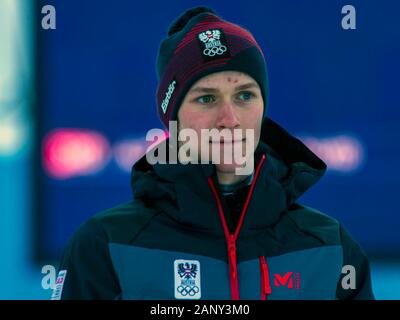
[(187, 279)]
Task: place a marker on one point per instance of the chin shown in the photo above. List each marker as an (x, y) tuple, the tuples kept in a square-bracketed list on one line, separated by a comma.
[(227, 168)]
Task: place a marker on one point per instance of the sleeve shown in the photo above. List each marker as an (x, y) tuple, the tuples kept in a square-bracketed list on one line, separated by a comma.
[(354, 259), (86, 271)]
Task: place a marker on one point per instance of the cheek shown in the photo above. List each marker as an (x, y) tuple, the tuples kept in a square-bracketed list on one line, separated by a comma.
[(257, 128), (253, 121), (194, 119), (257, 133)]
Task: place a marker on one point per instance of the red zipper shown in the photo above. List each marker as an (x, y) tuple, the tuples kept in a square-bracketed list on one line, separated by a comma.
[(231, 238), (233, 276), (265, 283)]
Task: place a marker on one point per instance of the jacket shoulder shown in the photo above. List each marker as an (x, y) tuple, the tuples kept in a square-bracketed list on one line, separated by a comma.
[(316, 223), (122, 223)]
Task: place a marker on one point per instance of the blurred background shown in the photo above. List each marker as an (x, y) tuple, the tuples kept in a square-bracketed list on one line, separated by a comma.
[(76, 103)]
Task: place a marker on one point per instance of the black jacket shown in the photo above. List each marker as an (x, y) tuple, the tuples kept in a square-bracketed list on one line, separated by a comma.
[(175, 239)]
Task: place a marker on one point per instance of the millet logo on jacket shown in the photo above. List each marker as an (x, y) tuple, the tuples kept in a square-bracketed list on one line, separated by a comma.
[(187, 279), (290, 280)]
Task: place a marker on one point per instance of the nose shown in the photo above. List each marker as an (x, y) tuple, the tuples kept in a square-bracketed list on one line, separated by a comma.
[(227, 118)]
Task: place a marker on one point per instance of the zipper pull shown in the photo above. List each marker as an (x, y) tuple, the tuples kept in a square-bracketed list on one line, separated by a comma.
[(232, 255)]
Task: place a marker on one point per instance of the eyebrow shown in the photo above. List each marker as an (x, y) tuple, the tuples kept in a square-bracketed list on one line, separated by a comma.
[(214, 90)]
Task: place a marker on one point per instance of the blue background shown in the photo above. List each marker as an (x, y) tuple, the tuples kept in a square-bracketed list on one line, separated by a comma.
[(97, 72)]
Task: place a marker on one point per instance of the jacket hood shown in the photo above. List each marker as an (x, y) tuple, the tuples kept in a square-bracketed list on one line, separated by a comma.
[(183, 192)]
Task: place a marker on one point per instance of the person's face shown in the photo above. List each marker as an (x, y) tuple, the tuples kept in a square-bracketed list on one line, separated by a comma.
[(225, 100)]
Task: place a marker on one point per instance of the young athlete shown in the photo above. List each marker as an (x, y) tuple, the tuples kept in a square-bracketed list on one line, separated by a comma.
[(201, 230)]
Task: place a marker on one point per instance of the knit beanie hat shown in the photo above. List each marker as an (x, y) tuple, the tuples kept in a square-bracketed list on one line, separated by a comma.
[(200, 43)]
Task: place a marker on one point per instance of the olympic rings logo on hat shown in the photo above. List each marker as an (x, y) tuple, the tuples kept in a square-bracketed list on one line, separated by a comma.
[(212, 43), (214, 50)]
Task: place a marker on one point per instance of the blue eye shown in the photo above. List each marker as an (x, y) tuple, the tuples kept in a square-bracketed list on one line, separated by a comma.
[(206, 99), (246, 95)]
